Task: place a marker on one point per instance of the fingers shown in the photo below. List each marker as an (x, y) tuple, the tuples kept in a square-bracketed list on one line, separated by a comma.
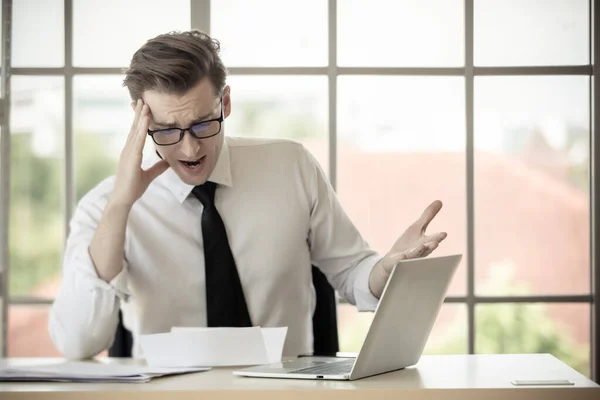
[(429, 248), (142, 128), (430, 213), (437, 237), (136, 119), (417, 252), (133, 149), (422, 250), (154, 171)]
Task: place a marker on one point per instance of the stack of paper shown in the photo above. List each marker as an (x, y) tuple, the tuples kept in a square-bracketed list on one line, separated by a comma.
[(81, 371), (212, 347)]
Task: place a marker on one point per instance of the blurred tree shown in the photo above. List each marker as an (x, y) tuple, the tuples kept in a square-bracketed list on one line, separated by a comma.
[(35, 225), (36, 206), (92, 162), (272, 119), (567, 162), (501, 328), (515, 328)]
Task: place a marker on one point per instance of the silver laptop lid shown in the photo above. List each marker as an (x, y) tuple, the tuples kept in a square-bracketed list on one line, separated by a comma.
[(405, 315)]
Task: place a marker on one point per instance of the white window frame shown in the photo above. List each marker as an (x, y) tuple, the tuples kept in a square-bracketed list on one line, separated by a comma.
[(200, 19)]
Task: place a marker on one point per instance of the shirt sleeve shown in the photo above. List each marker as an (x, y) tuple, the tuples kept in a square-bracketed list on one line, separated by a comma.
[(84, 315), (336, 246)]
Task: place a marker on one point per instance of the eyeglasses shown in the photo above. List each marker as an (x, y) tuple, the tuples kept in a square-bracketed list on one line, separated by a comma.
[(200, 130)]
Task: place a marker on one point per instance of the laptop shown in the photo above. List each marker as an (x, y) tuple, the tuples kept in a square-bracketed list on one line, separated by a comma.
[(401, 325)]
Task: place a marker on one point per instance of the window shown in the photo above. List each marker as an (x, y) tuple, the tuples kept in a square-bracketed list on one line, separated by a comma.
[(69, 118), (513, 175), (37, 222), (483, 104), (294, 107), (394, 159)]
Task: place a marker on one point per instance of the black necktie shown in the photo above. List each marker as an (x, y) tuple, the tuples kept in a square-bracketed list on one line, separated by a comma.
[(225, 302)]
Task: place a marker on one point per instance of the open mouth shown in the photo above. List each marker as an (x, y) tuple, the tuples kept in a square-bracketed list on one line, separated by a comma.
[(193, 164)]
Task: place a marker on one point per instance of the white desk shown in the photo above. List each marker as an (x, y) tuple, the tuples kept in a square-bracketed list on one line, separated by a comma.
[(435, 377)]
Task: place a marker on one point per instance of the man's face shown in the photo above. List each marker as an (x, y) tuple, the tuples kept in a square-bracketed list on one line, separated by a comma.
[(192, 159)]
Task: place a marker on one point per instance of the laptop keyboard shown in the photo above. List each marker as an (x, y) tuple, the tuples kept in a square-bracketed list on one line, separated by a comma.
[(333, 368)]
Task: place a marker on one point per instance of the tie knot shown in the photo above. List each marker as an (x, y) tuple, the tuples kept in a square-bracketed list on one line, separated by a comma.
[(205, 193)]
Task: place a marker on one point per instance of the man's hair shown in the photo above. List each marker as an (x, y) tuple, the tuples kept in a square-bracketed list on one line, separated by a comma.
[(175, 62)]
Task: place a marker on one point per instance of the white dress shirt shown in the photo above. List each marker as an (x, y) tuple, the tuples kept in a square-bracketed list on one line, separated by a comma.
[(281, 217)]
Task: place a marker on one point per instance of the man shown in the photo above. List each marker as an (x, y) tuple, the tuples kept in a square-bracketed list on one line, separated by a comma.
[(220, 231)]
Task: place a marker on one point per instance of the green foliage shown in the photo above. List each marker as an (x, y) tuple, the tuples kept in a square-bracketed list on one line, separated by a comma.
[(34, 179), (92, 163), (36, 228), (514, 328), (527, 328), (264, 119), (37, 222), (500, 328)]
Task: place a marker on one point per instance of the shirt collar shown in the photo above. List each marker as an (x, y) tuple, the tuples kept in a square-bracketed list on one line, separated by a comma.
[(221, 175)]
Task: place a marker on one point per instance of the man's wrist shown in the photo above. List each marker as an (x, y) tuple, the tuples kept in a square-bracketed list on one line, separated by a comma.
[(115, 206), (376, 277)]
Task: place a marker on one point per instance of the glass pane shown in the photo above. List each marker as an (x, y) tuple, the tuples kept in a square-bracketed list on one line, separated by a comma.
[(562, 330), (37, 22), (401, 33), (106, 33), (449, 333), (102, 117), (28, 332), (399, 149), (448, 336), (291, 107), (532, 32), (531, 185), (37, 153), (250, 35)]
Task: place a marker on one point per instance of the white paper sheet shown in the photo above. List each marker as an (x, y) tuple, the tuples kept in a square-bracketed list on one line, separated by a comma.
[(87, 371), (212, 347)]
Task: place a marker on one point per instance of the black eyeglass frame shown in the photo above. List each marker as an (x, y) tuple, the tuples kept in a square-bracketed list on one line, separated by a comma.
[(189, 129)]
